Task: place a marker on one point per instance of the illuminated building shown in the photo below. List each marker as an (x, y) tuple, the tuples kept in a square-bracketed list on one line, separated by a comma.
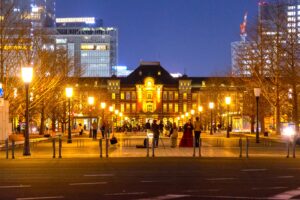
[(150, 92), (91, 47), (40, 13)]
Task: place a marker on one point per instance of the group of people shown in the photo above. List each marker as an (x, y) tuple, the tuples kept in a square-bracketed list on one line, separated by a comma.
[(188, 129), (104, 128)]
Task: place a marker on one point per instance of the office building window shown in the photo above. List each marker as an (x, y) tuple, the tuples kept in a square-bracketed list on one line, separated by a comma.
[(113, 96), (122, 107), (122, 95), (184, 96), (184, 107)]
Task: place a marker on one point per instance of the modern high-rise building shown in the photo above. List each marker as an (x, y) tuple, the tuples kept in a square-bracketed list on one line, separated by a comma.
[(40, 13), (91, 47)]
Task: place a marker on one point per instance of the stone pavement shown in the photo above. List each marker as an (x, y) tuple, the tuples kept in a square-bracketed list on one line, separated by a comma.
[(212, 146)]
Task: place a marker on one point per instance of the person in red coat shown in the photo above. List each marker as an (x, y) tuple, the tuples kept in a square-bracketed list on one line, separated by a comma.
[(187, 138)]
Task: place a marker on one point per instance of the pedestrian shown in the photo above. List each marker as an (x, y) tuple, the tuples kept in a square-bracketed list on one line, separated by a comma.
[(95, 128), (187, 138), (148, 126), (174, 135), (197, 131), (80, 129), (103, 127), (161, 127), (155, 130)]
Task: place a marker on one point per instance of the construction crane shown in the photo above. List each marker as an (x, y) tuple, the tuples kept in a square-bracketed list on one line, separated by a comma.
[(243, 27)]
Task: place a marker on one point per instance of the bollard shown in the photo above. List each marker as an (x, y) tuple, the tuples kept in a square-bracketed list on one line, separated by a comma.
[(153, 153), (194, 146), (106, 147), (147, 146), (6, 148), (59, 147), (294, 148), (247, 147), (241, 146), (100, 146), (13, 150), (54, 148), (288, 149), (200, 144)]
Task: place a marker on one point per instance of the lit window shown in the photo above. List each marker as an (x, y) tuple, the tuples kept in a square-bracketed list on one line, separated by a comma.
[(165, 96), (170, 95), (113, 96), (149, 96), (184, 96), (176, 108), (170, 107), (133, 95), (149, 108), (127, 95), (127, 107), (184, 107), (122, 107), (133, 107), (122, 95), (165, 108), (176, 96)]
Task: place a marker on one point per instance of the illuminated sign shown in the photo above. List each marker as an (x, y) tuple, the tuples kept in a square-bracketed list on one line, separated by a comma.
[(87, 20), (101, 47)]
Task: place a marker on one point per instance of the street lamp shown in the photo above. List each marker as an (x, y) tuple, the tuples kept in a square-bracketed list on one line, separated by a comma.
[(91, 101), (211, 107), (228, 101), (69, 94), (257, 94), (27, 78), (111, 110)]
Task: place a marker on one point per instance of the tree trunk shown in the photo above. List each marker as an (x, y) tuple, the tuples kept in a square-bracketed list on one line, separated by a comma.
[(42, 125), (295, 108), (277, 113), (252, 122)]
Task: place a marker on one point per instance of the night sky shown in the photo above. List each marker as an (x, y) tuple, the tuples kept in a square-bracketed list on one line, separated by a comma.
[(190, 35)]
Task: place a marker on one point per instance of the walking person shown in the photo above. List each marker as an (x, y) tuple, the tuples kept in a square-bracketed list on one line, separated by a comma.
[(155, 130), (102, 129), (197, 131), (148, 126), (161, 127), (95, 128)]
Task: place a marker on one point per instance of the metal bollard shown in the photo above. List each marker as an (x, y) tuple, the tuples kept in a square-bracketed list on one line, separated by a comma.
[(153, 153), (106, 147), (100, 146), (241, 147), (147, 146), (288, 149), (13, 150), (194, 146), (200, 144), (294, 148), (247, 147), (54, 148), (6, 148), (59, 147)]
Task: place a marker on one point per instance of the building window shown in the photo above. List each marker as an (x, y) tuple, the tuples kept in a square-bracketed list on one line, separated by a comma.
[(184, 96), (194, 106), (113, 96), (170, 107), (122, 95), (122, 107), (176, 96), (127, 107), (176, 108), (149, 96), (165, 96), (133, 108), (133, 95), (184, 107), (194, 96), (165, 108), (127, 95), (149, 108), (170, 95)]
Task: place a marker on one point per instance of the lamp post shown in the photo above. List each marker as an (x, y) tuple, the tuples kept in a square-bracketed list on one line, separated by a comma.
[(211, 107), (257, 94), (228, 101), (91, 101), (27, 78), (111, 110), (69, 94), (200, 110)]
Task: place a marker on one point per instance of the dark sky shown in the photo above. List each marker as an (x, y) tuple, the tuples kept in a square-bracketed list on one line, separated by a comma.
[(194, 35)]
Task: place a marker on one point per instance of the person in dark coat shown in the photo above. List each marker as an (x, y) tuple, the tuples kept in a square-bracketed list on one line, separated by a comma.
[(155, 130)]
